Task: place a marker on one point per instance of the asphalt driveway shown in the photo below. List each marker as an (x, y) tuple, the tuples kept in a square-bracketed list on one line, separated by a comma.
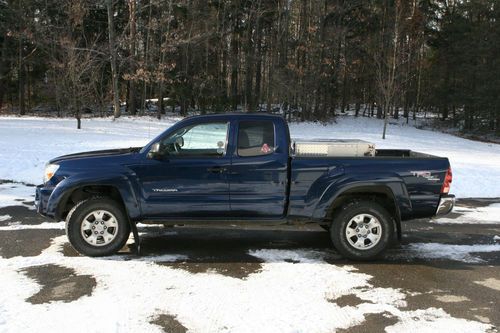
[(452, 269)]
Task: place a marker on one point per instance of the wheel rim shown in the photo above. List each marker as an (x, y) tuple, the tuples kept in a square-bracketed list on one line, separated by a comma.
[(99, 228), (363, 231)]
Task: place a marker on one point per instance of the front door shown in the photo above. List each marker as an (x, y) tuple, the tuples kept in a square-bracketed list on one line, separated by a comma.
[(190, 180)]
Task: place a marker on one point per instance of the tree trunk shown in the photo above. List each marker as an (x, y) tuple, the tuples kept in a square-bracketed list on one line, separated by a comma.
[(131, 103), (159, 105), (146, 59), (416, 107), (4, 68), (2, 93), (78, 115), (445, 112), (184, 107), (29, 85), (112, 50), (497, 129), (406, 111), (344, 89), (20, 76), (385, 120), (234, 66), (258, 74), (249, 62)]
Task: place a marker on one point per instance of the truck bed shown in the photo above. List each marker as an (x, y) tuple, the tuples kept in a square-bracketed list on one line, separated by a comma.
[(413, 177), (338, 148), (401, 153)]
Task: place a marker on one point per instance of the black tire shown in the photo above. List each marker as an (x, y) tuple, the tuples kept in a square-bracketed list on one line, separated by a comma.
[(344, 216), (76, 217)]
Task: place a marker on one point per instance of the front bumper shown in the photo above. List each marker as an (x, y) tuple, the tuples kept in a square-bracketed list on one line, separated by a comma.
[(42, 195), (446, 204)]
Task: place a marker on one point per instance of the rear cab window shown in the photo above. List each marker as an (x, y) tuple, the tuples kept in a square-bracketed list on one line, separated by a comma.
[(255, 138)]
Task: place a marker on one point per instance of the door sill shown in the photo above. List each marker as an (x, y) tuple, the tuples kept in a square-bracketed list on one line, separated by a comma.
[(214, 221)]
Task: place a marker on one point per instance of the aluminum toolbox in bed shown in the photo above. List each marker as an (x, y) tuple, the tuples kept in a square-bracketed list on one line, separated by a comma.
[(339, 147)]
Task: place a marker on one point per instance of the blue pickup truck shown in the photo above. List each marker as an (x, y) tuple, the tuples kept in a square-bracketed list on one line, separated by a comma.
[(241, 169)]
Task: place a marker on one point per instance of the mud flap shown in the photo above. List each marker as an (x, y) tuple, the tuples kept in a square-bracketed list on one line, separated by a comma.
[(137, 239)]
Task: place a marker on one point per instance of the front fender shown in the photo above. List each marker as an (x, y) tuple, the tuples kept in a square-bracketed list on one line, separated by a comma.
[(123, 184), (390, 184)]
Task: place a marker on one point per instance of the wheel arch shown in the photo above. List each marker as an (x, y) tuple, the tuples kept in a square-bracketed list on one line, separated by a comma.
[(68, 193), (75, 195), (381, 194)]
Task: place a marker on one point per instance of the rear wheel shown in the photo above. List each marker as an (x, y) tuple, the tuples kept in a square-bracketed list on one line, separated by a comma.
[(361, 230), (97, 227)]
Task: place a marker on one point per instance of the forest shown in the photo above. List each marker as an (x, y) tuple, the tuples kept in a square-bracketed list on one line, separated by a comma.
[(310, 59)]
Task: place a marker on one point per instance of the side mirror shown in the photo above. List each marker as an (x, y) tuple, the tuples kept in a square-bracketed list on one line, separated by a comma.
[(179, 141), (154, 152)]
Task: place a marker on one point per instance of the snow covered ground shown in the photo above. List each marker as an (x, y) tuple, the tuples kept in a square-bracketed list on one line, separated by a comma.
[(294, 291), (276, 298), (26, 144), (477, 215), (15, 194)]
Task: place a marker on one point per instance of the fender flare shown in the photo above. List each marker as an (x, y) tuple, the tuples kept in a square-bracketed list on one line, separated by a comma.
[(394, 188), (120, 182)]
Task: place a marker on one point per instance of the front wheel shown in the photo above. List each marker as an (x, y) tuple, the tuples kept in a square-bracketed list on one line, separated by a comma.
[(361, 230), (97, 227)]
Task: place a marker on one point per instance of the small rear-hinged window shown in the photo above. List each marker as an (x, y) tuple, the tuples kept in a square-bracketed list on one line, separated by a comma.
[(255, 138)]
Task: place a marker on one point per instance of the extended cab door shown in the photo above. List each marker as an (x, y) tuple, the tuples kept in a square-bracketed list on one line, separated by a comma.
[(258, 173), (189, 180)]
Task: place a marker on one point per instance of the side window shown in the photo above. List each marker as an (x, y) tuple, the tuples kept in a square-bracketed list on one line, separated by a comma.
[(255, 138), (208, 139)]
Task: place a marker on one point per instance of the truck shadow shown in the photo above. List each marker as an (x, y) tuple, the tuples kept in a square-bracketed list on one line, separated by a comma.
[(206, 248)]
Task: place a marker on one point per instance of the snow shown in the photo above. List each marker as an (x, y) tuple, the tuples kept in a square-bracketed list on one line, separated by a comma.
[(490, 283), (433, 320), (478, 215), (44, 225), (26, 144), (452, 298), (266, 301), (16, 194), (440, 251), (5, 217)]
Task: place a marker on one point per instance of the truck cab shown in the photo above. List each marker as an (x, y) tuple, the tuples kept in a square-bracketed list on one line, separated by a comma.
[(217, 167)]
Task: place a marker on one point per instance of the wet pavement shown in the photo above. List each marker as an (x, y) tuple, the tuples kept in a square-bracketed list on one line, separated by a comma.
[(462, 288)]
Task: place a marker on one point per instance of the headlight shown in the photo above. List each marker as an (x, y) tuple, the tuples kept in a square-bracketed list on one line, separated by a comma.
[(50, 171)]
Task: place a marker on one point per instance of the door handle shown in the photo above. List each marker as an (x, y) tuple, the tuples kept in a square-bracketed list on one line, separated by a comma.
[(217, 169)]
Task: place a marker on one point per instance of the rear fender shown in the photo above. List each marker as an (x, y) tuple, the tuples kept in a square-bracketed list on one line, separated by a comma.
[(392, 187)]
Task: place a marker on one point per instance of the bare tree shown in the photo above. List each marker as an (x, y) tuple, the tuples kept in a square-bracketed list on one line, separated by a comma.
[(387, 61), (74, 69), (112, 50), (131, 103)]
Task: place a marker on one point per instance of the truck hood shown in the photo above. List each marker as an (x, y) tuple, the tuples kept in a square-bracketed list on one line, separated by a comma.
[(96, 154)]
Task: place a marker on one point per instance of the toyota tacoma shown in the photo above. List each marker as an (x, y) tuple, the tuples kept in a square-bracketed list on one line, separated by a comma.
[(244, 169)]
